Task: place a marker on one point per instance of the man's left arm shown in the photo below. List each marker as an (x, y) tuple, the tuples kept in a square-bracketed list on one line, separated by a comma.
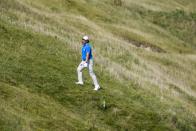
[(87, 57), (88, 50)]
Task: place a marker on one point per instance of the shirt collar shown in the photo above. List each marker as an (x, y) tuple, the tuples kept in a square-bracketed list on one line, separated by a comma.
[(85, 44)]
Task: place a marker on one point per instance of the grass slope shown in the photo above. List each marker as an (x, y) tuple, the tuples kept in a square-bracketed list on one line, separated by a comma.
[(142, 89)]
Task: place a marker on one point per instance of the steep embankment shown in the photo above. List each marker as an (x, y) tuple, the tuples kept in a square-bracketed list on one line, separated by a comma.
[(145, 61)]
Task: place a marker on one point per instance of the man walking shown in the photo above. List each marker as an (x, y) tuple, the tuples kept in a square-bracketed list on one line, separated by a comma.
[(87, 62)]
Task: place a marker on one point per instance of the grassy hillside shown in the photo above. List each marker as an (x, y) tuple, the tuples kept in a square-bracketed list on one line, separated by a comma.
[(145, 61)]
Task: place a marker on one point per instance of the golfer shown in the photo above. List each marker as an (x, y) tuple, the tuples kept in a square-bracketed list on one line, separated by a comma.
[(87, 62)]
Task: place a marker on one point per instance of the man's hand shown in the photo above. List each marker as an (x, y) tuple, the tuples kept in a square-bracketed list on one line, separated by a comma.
[(84, 63)]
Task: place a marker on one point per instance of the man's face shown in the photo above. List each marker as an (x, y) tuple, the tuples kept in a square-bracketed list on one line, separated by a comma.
[(83, 41)]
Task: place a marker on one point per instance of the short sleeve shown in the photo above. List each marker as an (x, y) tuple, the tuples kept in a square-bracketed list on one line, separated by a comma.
[(88, 49)]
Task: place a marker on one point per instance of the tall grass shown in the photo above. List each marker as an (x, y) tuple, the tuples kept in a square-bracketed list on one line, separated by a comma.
[(142, 89)]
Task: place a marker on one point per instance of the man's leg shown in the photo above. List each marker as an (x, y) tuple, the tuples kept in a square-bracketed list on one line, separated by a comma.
[(79, 71), (92, 74)]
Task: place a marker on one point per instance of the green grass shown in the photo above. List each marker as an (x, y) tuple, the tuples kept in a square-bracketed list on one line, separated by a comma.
[(179, 23), (141, 90)]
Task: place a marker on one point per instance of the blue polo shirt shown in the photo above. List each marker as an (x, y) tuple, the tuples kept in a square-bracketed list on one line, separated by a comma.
[(86, 48)]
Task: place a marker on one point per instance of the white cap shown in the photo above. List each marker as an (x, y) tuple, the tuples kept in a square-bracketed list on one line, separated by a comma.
[(85, 37)]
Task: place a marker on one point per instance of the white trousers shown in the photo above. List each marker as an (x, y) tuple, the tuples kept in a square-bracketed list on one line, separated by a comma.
[(88, 65)]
